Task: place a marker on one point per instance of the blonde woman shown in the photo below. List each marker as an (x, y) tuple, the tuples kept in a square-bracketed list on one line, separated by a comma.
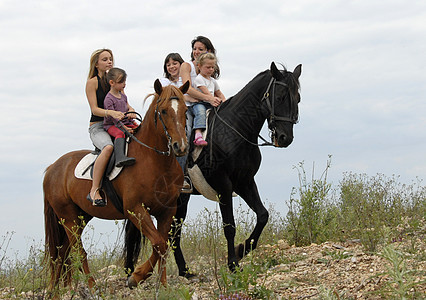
[(97, 88)]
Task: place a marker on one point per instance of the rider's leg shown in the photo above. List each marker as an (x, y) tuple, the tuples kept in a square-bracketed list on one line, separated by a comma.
[(101, 140), (120, 148), (99, 170)]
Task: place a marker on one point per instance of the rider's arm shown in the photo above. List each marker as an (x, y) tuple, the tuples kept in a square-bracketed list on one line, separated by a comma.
[(91, 87), (185, 74), (220, 95)]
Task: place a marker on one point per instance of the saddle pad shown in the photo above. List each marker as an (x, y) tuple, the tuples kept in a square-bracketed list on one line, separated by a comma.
[(201, 184), (82, 170)]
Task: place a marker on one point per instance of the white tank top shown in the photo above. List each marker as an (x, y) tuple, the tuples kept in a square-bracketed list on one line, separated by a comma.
[(192, 74)]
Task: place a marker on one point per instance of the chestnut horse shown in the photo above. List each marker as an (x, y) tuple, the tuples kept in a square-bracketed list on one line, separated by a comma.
[(148, 188)]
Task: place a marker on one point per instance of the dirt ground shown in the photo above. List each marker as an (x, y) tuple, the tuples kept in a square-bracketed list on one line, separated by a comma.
[(329, 270), (326, 271)]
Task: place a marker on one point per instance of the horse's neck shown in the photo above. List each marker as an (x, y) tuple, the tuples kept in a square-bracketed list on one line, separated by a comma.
[(248, 102), (152, 134)]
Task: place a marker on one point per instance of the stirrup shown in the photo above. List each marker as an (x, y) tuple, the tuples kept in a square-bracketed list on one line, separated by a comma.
[(187, 186)]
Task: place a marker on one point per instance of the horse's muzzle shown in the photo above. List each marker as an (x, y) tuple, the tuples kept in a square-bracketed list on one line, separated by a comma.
[(282, 140), (180, 149)]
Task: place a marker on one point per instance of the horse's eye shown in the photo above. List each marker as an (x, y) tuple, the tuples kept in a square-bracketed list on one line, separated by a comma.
[(164, 112)]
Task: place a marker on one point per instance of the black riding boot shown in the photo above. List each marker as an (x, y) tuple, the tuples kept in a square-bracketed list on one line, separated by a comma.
[(119, 149)]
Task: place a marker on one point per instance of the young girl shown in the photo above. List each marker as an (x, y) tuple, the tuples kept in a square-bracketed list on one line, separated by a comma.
[(171, 68), (205, 83), (116, 100)]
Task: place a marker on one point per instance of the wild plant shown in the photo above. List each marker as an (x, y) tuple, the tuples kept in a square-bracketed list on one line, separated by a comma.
[(310, 216), (369, 206), (245, 281), (401, 282)]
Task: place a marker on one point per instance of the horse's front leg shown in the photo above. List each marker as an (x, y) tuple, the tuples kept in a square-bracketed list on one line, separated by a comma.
[(250, 195), (164, 223), (226, 210), (142, 220)]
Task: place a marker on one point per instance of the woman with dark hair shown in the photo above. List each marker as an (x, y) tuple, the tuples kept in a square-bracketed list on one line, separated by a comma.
[(171, 68), (189, 71)]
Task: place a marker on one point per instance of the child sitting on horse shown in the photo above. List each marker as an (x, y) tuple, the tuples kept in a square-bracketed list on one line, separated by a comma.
[(117, 100), (207, 64)]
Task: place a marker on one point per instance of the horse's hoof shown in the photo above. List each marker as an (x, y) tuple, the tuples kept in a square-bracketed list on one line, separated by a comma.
[(131, 282), (233, 266), (188, 275)]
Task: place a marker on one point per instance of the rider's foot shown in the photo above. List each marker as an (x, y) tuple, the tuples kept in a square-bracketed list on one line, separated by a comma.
[(199, 141), (96, 198)]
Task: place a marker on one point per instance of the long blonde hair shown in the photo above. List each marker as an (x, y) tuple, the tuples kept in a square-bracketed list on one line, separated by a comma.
[(93, 71)]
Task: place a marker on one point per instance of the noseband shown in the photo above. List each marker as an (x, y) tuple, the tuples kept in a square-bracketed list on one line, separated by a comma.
[(267, 96)]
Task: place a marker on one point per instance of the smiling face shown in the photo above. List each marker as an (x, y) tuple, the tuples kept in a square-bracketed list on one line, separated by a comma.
[(105, 62), (198, 49), (173, 68)]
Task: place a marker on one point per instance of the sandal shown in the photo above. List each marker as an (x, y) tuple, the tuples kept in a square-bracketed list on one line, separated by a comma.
[(199, 141), (97, 202)]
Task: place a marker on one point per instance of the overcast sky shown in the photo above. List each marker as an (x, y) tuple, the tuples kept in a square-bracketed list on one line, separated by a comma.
[(363, 84)]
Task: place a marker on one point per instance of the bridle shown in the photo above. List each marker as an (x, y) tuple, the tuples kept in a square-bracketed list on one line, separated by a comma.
[(270, 91), (267, 96), (157, 114)]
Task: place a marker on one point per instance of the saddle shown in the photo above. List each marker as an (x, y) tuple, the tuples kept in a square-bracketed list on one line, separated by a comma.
[(84, 170)]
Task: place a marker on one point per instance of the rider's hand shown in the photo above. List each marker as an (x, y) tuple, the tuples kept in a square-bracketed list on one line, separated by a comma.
[(131, 115), (118, 115), (214, 101), (129, 129)]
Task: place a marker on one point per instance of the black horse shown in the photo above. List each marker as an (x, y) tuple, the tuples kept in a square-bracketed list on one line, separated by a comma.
[(232, 157)]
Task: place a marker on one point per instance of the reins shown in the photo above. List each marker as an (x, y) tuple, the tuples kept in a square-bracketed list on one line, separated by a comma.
[(266, 143), (139, 118), (273, 117)]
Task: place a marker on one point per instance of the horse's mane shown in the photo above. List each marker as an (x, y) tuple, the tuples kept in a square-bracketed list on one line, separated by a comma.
[(167, 93), (288, 78)]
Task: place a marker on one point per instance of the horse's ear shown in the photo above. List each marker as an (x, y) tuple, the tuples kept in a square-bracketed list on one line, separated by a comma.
[(184, 88), (158, 87), (275, 72), (297, 71)]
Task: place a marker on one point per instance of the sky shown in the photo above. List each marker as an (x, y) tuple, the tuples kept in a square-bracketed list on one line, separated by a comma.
[(363, 85)]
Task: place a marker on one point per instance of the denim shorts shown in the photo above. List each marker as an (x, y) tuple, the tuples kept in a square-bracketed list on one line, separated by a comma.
[(100, 138)]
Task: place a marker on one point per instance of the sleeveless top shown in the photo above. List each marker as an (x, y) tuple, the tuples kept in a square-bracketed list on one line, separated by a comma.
[(100, 96), (193, 73)]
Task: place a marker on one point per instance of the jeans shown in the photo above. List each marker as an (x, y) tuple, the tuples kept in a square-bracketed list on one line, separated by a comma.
[(199, 112)]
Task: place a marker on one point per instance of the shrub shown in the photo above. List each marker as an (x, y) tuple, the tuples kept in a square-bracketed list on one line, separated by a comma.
[(311, 217)]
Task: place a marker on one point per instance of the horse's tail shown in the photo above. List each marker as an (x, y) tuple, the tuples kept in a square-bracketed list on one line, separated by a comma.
[(56, 241), (132, 246)]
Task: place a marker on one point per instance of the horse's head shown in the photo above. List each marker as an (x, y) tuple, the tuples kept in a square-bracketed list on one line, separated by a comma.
[(170, 112), (283, 97)]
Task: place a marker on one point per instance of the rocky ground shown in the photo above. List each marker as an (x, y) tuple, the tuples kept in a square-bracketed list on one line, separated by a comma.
[(344, 271), (326, 271)]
